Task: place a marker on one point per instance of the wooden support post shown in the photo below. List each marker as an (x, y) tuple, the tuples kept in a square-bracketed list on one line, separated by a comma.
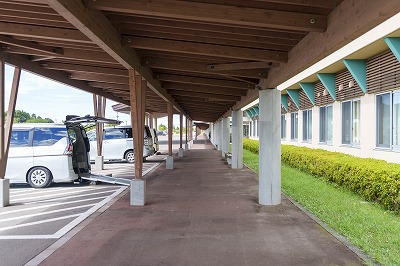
[(99, 104), (2, 108), (170, 126), (137, 98), (6, 125), (180, 130)]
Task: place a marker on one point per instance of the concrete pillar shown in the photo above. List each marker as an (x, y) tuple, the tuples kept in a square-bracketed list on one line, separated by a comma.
[(237, 139), (99, 163), (270, 147), (225, 141), (4, 192), (170, 157), (212, 132), (218, 135), (180, 151), (138, 192)]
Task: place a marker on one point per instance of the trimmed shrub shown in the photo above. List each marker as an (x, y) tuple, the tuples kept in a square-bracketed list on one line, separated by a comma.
[(375, 180)]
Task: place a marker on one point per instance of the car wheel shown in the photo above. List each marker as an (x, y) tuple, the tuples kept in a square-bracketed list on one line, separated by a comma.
[(130, 157), (39, 177)]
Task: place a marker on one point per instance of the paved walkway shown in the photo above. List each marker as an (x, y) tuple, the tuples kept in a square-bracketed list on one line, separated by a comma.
[(202, 213)]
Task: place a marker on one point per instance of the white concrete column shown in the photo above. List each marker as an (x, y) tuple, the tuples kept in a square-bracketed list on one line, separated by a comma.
[(225, 136), (218, 135), (270, 147), (237, 139), (4, 192), (212, 132)]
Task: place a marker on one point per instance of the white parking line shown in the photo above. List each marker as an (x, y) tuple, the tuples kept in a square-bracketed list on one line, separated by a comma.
[(69, 197), (45, 213), (49, 205), (38, 191), (51, 195), (39, 222), (80, 217)]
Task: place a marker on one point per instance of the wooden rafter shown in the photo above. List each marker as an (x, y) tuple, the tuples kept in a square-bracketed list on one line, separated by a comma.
[(250, 17)]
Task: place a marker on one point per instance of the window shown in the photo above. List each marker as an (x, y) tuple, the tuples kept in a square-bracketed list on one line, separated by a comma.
[(325, 124), (351, 123), (283, 126), (19, 138), (307, 125), (388, 120), (48, 136), (114, 133), (294, 126), (258, 128)]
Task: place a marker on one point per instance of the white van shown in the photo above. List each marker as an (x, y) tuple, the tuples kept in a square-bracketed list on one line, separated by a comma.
[(44, 153), (118, 144)]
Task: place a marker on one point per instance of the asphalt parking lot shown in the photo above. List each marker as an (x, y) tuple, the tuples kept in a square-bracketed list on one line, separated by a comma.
[(36, 218)]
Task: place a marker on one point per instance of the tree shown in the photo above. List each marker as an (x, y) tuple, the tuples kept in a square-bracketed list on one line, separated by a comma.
[(162, 127), (21, 116)]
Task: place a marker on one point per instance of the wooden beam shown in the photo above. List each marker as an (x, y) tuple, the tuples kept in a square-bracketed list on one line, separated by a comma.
[(204, 95), (187, 66), (212, 13), (95, 25), (239, 66), (31, 45), (67, 35), (2, 122), (201, 88), (131, 21), (86, 69), (260, 42), (9, 121), (205, 81), (206, 49), (328, 4), (99, 78), (111, 86), (59, 76), (137, 92), (99, 105)]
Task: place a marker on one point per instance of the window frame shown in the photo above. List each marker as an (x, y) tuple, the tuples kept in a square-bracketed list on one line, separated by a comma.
[(391, 146), (307, 127), (283, 126), (325, 140), (294, 126), (351, 143)]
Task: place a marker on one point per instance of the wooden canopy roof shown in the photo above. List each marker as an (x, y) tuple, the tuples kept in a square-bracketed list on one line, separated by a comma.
[(204, 56)]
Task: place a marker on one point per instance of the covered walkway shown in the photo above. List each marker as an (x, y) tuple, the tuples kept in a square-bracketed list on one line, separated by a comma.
[(202, 213)]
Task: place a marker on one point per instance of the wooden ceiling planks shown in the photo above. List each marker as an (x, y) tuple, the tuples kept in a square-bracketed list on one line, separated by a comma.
[(201, 55)]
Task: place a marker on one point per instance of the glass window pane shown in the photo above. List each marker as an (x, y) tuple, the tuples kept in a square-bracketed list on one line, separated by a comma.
[(305, 124), (346, 122), (329, 124), (322, 124), (356, 122), (48, 136), (383, 119), (310, 125), (19, 138), (396, 119)]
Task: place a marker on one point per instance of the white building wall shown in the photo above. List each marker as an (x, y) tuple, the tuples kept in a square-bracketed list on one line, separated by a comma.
[(367, 148)]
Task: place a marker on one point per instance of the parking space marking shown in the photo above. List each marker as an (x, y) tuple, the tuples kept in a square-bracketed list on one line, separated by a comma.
[(68, 197), (39, 222), (78, 218), (49, 205), (46, 213)]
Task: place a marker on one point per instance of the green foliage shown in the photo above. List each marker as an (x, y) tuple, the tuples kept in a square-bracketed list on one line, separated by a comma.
[(373, 179), (162, 127), (367, 225), (24, 117)]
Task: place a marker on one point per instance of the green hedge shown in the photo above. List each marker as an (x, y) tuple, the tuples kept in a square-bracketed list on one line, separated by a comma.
[(375, 180)]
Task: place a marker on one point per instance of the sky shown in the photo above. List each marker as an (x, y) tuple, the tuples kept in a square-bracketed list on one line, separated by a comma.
[(50, 99)]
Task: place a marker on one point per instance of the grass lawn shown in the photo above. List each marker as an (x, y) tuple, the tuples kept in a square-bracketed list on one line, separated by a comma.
[(366, 225)]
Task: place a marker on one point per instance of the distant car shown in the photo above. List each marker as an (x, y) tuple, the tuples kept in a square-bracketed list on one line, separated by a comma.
[(155, 140), (118, 144), (159, 133)]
